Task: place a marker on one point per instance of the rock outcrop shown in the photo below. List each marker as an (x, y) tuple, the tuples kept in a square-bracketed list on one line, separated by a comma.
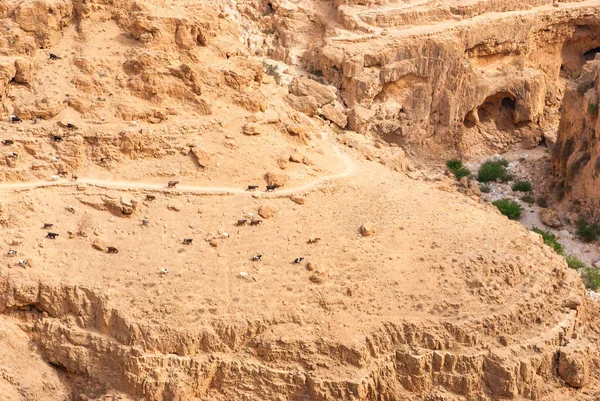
[(576, 154)]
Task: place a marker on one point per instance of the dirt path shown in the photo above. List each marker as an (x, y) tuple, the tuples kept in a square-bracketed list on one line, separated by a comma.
[(349, 169)]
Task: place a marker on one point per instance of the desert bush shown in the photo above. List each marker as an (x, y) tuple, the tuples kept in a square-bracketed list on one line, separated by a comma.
[(574, 262), (593, 108), (522, 186), (591, 278), (271, 69), (493, 170), (485, 188), (510, 209), (457, 168), (550, 240), (587, 231)]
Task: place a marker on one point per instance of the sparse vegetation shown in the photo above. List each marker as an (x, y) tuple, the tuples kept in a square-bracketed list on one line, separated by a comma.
[(528, 198), (591, 278), (574, 262), (457, 168), (272, 70), (522, 186), (587, 231), (509, 208), (493, 170), (550, 240), (593, 108), (485, 188)]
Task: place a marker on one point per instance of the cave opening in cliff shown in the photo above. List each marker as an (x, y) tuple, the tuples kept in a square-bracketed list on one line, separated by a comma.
[(498, 109)]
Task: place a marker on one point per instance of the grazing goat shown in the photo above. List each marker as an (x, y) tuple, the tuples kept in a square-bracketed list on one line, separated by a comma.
[(313, 240), (150, 197), (71, 209), (71, 126), (298, 260), (164, 271), (255, 222), (51, 235), (57, 138), (23, 263), (54, 57), (12, 252), (13, 155), (188, 241), (256, 258), (15, 119), (271, 188), (172, 184), (252, 188), (47, 226), (145, 223), (112, 249), (241, 222), (7, 142)]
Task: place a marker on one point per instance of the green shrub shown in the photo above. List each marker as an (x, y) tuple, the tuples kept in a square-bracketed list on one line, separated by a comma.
[(493, 170), (574, 262), (485, 188), (591, 278), (510, 209), (593, 108), (587, 232), (457, 168), (522, 186), (271, 69), (550, 240), (528, 198)]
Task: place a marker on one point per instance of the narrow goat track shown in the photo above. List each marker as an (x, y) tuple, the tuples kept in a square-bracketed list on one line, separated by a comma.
[(349, 169)]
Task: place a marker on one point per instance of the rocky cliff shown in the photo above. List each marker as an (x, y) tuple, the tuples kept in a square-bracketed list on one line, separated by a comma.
[(448, 78), (576, 158)]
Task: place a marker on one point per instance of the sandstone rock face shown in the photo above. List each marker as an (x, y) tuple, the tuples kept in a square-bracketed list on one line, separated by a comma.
[(573, 365), (307, 87), (575, 156), (334, 115), (304, 104), (423, 72)]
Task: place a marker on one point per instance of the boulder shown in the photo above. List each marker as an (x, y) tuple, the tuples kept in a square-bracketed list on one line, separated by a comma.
[(359, 118), (266, 212), (367, 229), (323, 94), (301, 200), (174, 207), (334, 115), (304, 104), (253, 128), (100, 245), (550, 218), (200, 156), (573, 365), (276, 179)]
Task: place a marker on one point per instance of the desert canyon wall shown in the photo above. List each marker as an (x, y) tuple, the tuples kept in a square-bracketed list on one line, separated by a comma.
[(409, 291)]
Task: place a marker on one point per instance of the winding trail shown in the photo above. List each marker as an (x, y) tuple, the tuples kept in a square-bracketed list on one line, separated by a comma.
[(349, 169)]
